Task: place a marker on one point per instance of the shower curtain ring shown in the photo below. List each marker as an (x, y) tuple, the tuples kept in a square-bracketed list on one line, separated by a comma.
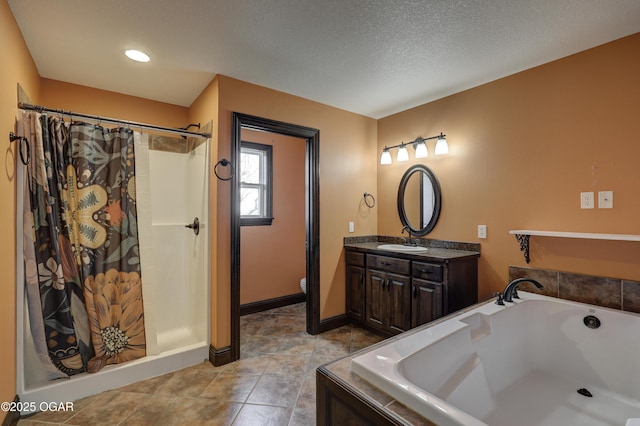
[(224, 163)]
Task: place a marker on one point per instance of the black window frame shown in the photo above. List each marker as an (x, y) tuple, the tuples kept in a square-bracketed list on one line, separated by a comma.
[(267, 219)]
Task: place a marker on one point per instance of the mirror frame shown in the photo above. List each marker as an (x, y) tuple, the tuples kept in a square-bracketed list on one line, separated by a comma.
[(437, 192)]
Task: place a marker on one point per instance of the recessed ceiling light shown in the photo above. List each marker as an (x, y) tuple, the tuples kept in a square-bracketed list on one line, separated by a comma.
[(137, 55)]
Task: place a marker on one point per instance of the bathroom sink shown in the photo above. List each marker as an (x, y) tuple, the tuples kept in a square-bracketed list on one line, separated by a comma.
[(402, 248)]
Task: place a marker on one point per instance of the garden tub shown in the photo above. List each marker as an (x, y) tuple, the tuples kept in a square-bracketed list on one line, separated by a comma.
[(536, 361)]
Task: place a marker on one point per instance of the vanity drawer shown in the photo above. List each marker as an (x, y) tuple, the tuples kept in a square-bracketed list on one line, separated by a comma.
[(354, 258), (427, 271), (389, 264)]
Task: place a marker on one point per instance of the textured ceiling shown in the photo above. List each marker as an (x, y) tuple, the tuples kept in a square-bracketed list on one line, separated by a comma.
[(372, 57)]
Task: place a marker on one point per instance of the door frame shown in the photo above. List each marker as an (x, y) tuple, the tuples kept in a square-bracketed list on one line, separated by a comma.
[(312, 217)]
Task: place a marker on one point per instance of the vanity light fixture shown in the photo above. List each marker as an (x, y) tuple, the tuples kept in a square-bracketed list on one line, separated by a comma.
[(441, 146), (420, 145), (421, 148), (386, 157), (403, 154)]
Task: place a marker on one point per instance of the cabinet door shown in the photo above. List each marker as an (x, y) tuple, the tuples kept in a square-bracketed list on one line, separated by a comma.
[(375, 299), (398, 303), (355, 292), (426, 302)]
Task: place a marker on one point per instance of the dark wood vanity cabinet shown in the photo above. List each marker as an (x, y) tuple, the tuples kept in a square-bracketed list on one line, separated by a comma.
[(426, 301), (426, 292), (355, 285), (401, 292), (387, 293)]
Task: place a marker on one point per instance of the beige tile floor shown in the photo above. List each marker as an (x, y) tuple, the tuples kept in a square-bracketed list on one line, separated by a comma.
[(273, 383)]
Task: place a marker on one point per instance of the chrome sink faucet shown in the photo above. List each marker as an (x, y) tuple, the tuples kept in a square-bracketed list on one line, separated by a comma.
[(511, 290)]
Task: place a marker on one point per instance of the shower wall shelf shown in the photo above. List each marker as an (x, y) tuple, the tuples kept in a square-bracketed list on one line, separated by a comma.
[(522, 235)]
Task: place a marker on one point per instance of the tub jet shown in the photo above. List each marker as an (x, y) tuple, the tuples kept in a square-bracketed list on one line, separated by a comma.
[(591, 321)]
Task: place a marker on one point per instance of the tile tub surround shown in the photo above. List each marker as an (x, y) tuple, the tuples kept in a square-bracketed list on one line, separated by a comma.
[(177, 144), (272, 383), (607, 292), (422, 242)]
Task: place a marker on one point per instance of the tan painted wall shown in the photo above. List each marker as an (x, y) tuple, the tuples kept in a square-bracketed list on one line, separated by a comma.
[(521, 150), (347, 170), (17, 67), (203, 109), (67, 96), (273, 258)]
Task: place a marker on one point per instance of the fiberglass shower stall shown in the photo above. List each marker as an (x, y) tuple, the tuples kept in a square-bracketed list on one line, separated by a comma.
[(172, 188)]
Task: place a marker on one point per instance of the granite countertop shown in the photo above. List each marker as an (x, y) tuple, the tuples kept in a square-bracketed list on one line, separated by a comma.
[(437, 249)]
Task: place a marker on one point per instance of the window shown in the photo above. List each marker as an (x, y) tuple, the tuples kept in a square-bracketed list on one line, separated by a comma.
[(256, 184)]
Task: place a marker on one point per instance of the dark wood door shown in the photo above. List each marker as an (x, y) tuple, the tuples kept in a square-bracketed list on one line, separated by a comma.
[(398, 302), (426, 302), (375, 310), (355, 295)]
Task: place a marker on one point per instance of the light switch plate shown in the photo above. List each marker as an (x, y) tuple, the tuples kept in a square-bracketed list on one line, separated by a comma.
[(482, 231), (351, 227)]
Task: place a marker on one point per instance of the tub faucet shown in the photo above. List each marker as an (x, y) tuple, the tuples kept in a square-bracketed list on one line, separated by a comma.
[(510, 291)]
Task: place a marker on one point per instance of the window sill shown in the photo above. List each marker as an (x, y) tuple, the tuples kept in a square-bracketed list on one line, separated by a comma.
[(256, 221)]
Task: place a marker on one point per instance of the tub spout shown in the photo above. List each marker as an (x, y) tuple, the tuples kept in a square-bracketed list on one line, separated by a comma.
[(510, 290)]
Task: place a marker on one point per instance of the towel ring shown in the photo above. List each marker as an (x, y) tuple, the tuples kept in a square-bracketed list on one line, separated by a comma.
[(25, 157), (369, 200), (224, 163)]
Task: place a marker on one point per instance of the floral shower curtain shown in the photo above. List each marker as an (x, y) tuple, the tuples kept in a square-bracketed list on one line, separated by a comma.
[(85, 263)]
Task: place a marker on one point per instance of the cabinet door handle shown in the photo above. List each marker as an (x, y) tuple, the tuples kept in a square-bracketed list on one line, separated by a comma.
[(425, 270), (415, 291), (389, 286), (361, 280), (386, 263)]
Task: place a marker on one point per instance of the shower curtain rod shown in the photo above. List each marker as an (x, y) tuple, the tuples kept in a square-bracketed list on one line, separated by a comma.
[(100, 119)]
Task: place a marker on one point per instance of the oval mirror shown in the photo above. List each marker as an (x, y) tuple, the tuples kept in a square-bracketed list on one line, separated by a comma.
[(419, 199)]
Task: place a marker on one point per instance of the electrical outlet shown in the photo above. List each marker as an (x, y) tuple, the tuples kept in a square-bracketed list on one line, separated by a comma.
[(605, 199), (482, 231), (586, 200)]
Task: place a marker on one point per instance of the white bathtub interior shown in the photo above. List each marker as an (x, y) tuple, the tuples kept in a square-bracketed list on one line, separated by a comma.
[(176, 303), (520, 366)]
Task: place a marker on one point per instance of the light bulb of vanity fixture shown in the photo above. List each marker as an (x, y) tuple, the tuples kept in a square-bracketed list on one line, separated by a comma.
[(386, 156), (403, 153), (441, 146), (421, 149)]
